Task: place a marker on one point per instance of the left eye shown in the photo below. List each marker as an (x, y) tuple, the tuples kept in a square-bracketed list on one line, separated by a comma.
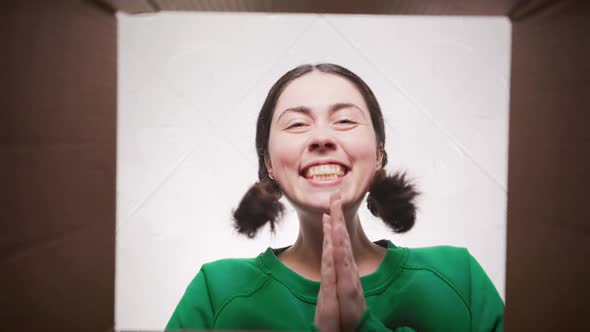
[(346, 121)]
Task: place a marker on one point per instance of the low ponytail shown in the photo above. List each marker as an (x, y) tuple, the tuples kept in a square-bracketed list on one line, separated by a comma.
[(391, 198), (259, 206)]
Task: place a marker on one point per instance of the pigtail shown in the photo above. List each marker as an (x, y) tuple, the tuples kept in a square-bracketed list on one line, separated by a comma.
[(259, 205), (391, 198)]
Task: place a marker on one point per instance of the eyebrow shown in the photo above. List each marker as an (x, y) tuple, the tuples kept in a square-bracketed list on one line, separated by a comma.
[(333, 108)]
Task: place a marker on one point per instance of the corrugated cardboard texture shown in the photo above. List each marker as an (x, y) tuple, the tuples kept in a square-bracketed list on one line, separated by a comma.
[(58, 134), (548, 189)]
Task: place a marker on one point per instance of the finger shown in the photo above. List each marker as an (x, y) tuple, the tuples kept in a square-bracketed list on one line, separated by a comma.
[(336, 207), (345, 269), (341, 238), (328, 276), (343, 256), (344, 263), (335, 196), (336, 215), (328, 289), (348, 285), (327, 316), (349, 289)]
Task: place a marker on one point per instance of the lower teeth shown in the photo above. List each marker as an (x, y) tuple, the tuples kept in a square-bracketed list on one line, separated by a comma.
[(324, 177)]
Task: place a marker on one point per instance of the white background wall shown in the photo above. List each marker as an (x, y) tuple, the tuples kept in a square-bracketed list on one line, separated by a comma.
[(190, 88)]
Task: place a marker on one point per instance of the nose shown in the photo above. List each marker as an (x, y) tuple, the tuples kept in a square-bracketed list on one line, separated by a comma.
[(321, 143)]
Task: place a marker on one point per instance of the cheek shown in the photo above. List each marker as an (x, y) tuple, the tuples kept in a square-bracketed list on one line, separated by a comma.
[(363, 150), (284, 153), (364, 161)]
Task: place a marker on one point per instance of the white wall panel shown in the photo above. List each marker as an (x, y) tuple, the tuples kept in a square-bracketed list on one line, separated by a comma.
[(190, 88)]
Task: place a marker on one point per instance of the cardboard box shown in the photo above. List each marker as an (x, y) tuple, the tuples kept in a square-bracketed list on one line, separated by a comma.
[(58, 129)]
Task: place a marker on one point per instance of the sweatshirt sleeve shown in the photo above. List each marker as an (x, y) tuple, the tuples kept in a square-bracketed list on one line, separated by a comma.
[(194, 311), (487, 307)]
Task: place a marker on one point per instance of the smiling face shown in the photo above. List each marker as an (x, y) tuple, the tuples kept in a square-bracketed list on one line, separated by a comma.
[(322, 141)]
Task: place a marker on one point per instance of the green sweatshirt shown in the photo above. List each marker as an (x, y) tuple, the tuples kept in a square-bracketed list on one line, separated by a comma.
[(427, 289)]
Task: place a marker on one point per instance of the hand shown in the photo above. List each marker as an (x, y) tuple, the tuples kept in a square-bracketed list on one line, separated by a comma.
[(350, 292), (327, 311), (340, 281)]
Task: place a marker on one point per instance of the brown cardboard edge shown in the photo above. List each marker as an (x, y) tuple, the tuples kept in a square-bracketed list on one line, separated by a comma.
[(58, 148), (375, 7), (548, 222)]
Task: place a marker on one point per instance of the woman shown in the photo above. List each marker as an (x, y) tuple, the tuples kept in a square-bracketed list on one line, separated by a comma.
[(320, 142)]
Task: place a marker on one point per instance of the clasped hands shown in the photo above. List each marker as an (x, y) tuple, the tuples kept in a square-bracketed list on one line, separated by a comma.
[(341, 301)]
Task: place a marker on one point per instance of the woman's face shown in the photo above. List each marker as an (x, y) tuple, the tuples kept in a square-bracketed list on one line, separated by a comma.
[(322, 141)]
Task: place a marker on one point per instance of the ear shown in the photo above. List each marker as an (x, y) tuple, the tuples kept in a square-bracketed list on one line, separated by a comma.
[(267, 163), (380, 155)]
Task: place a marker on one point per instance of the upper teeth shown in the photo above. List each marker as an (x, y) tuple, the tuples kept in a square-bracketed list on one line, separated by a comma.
[(331, 169)]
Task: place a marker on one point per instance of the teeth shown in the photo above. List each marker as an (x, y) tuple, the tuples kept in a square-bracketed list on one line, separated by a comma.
[(324, 177), (321, 172)]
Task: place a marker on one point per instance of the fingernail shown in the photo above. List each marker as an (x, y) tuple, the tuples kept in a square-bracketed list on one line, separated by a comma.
[(335, 196)]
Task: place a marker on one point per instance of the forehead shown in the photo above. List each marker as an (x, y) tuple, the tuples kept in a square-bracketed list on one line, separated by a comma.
[(318, 90)]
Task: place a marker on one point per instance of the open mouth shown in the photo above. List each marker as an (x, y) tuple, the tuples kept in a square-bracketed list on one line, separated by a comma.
[(329, 172)]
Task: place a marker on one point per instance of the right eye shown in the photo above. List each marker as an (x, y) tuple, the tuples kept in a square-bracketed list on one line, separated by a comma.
[(296, 125)]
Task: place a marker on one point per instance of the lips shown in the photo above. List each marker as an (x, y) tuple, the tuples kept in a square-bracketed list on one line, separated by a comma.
[(324, 170)]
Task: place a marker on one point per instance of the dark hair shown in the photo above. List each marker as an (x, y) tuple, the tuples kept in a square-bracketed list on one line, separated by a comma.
[(391, 198)]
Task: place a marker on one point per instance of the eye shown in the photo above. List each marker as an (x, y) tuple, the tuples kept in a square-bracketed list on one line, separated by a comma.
[(296, 125), (346, 122)]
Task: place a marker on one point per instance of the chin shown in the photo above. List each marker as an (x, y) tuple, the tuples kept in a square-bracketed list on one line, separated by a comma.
[(319, 202), (315, 197)]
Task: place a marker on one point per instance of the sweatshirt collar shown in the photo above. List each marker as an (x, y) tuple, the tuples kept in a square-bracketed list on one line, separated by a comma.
[(307, 290)]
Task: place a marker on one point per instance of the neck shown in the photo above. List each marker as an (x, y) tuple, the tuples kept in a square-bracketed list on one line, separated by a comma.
[(305, 256)]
